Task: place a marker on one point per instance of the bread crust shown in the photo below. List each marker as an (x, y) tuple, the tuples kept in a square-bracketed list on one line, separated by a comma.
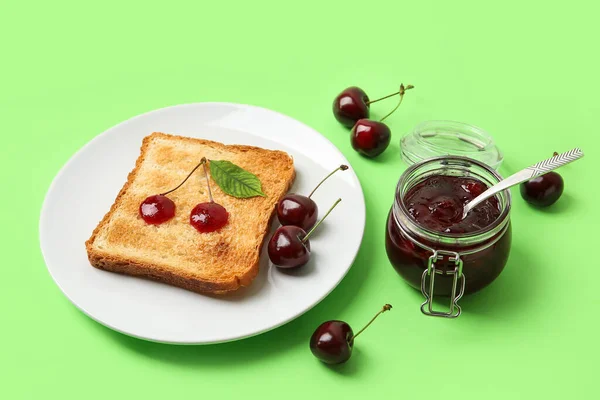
[(129, 266)]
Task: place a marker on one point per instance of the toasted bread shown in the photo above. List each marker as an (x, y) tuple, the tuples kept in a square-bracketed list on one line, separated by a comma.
[(175, 252)]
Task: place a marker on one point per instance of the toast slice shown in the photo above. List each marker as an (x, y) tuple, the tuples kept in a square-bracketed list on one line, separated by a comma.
[(175, 252)]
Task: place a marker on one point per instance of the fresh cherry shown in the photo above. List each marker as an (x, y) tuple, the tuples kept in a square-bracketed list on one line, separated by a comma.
[(350, 106), (353, 104), (210, 216), (333, 341), (296, 209), (543, 190), (289, 246), (370, 138), (159, 208), (287, 249)]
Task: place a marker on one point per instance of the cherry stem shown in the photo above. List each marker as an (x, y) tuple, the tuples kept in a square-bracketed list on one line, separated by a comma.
[(382, 98), (340, 168), (305, 238), (401, 93), (203, 161), (385, 308)]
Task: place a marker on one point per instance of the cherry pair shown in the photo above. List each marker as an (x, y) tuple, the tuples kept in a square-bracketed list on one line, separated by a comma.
[(205, 217), (289, 247), (352, 108)]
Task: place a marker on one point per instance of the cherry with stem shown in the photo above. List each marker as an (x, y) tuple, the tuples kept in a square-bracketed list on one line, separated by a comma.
[(370, 138), (289, 246), (299, 210), (333, 341), (353, 104)]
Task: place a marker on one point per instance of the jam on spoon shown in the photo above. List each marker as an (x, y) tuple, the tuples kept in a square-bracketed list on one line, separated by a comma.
[(158, 208), (210, 216)]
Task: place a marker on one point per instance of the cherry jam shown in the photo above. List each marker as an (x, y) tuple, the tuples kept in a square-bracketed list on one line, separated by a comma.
[(157, 209), (209, 217), (437, 203), (427, 216)]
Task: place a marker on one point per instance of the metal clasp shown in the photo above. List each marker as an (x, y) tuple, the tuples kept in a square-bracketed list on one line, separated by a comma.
[(432, 271)]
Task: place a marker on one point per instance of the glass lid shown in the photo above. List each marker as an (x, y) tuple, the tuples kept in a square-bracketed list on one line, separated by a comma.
[(438, 138)]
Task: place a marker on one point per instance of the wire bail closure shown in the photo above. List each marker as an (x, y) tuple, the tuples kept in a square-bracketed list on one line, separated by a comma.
[(432, 271)]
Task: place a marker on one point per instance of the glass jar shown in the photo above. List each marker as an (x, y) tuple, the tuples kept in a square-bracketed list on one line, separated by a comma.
[(441, 264)]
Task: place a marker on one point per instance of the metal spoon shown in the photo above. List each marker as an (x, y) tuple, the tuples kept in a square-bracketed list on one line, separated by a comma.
[(526, 174)]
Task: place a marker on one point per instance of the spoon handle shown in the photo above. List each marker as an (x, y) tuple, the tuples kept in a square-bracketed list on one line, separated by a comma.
[(526, 174)]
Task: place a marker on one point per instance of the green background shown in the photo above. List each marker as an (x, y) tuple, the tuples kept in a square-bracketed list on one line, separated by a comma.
[(525, 71)]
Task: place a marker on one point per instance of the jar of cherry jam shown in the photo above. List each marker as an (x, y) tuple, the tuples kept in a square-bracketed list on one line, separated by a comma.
[(432, 246)]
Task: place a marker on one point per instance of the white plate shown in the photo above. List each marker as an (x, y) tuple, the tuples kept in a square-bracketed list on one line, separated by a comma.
[(85, 188)]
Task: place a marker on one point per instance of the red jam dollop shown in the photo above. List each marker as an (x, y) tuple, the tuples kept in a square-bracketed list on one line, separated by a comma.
[(157, 209), (437, 204), (209, 217)]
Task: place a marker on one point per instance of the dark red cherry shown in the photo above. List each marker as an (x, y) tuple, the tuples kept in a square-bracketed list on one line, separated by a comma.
[(332, 342), (287, 249), (289, 246), (543, 190), (298, 210), (157, 209), (350, 106), (353, 104), (370, 138), (208, 217)]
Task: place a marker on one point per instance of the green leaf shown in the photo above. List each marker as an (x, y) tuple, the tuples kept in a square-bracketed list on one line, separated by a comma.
[(234, 180)]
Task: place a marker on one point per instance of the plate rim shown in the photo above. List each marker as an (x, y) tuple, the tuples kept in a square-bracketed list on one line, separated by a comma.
[(293, 316)]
